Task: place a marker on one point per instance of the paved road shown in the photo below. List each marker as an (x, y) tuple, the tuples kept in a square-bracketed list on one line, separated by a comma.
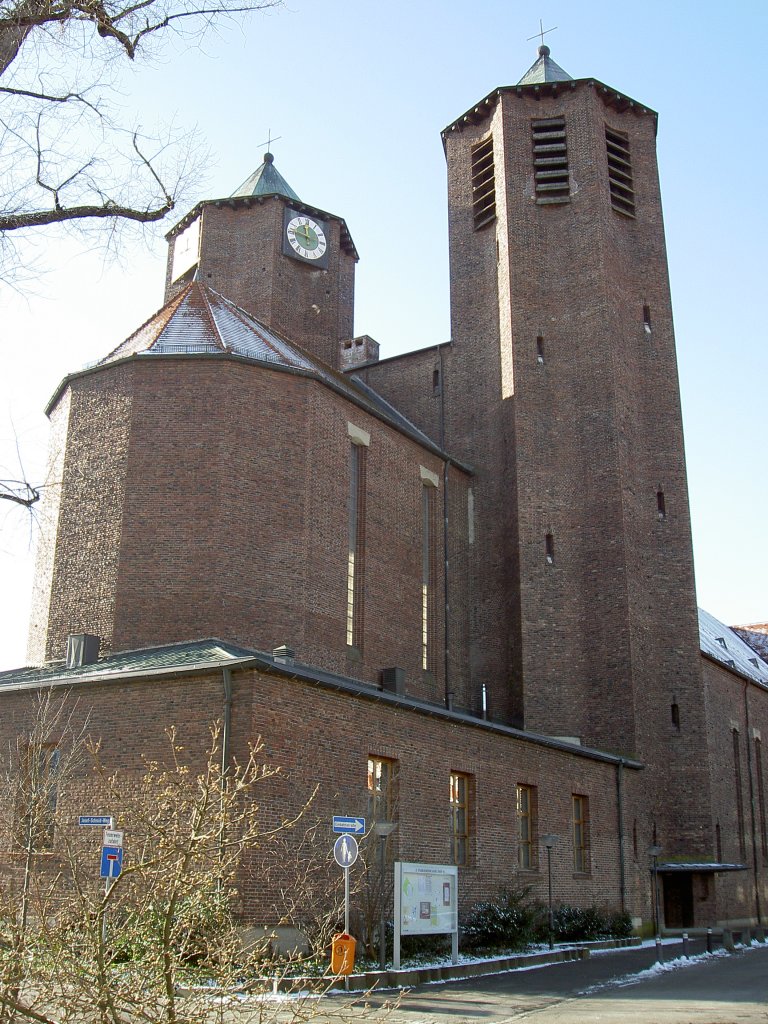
[(719, 990)]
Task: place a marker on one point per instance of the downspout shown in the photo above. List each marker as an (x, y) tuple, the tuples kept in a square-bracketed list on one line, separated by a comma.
[(446, 598), (753, 812), (226, 674), (620, 815)]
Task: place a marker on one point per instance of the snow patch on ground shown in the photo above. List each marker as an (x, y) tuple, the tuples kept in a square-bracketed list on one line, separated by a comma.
[(652, 972)]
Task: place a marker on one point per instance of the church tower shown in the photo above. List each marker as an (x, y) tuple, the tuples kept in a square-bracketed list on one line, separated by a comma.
[(287, 263), (562, 392)]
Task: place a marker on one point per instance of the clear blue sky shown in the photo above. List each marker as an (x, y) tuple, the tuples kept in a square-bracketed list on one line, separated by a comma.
[(359, 92)]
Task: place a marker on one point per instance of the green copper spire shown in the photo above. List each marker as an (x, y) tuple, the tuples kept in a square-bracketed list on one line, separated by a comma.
[(544, 70), (266, 180)]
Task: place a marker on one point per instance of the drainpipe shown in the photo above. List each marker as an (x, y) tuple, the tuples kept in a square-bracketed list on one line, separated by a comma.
[(753, 813), (226, 674), (620, 815)]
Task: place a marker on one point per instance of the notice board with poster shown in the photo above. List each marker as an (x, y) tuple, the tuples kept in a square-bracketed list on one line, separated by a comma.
[(426, 902)]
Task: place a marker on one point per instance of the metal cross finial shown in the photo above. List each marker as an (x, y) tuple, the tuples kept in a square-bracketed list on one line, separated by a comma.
[(270, 140), (542, 32)]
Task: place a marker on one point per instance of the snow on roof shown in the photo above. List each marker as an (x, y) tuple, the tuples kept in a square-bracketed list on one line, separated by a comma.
[(726, 646), (756, 635)]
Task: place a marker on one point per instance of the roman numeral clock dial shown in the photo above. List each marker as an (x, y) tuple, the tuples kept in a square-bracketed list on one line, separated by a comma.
[(305, 239)]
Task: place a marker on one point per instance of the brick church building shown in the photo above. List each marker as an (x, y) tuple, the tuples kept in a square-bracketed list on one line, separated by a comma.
[(454, 587)]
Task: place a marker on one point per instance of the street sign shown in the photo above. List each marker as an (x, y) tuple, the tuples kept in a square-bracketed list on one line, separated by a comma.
[(353, 825), (111, 861), (345, 851), (112, 838), (104, 820)]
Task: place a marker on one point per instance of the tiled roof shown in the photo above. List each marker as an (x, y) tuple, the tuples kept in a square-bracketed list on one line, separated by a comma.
[(181, 656), (726, 646), (544, 70)]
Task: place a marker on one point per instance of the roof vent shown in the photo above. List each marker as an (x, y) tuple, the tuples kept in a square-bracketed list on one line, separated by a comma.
[(393, 680), (82, 649), (284, 654)]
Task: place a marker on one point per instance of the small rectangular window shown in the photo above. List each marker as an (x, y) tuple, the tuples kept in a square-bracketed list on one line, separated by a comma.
[(676, 716), (460, 812), (526, 828), (382, 794), (580, 834), (620, 172), (647, 319), (483, 184), (661, 505), (549, 548), (550, 160), (540, 349), (38, 796)]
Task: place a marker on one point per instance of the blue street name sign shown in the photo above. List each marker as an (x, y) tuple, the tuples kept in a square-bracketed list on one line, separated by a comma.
[(354, 825), (111, 861), (104, 820)]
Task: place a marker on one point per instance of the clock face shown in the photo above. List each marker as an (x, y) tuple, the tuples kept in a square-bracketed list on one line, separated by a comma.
[(306, 237)]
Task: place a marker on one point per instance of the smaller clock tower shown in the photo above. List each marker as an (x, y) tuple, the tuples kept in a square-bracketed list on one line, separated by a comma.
[(289, 264)]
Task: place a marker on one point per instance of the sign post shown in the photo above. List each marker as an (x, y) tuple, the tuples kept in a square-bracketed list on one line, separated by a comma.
[(111, 866), (345, 851)]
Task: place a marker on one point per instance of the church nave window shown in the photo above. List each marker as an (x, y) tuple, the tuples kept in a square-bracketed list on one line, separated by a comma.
[(356, 544), (428, 572)]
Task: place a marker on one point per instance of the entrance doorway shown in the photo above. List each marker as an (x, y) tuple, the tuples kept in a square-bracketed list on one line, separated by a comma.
[(678, 899)]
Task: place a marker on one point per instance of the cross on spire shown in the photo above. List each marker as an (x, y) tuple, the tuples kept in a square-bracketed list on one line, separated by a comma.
[(541, 33), (270, 140)]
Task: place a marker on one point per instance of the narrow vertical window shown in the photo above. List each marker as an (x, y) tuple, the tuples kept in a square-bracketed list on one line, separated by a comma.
[(526, 828), (459, 818), (436, 379), (676, 715), (549, 548), (739, 795), (483, 184), (634, 839), (356, 545), (647, 319), (718, 843), (661, 505), (428, 575), (580, 834), (540, 350), (550, 160), (38, 799), (382, 780), (620, 172), (761, 796)]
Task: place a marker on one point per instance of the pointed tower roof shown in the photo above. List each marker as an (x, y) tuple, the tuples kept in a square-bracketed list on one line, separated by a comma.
[(266, 180), (544, 70)]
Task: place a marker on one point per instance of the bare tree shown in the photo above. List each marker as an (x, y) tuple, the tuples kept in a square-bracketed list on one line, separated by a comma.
[(66, 157)]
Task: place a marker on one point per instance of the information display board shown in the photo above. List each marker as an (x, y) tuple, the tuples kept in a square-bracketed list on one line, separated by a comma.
[(426, 902)]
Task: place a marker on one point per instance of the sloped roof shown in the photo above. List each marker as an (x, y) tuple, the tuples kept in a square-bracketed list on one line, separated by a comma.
[(178, 657), (723, 644), (544, 70), (266, 180), (756, 635)]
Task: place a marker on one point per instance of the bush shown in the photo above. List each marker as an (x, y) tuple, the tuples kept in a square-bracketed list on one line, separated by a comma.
[(585, 924), (512, 921)]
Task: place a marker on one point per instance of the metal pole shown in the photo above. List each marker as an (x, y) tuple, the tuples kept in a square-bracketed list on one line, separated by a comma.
[(549, 880), (346, 901), (382, 917)]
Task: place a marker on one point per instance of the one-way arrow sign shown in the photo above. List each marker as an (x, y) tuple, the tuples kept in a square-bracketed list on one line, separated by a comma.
[(354, 825)]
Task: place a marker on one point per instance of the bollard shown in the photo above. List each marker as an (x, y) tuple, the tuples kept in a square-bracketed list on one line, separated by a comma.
[(728, 939), (659, 955), (709, 940), (685, 946)]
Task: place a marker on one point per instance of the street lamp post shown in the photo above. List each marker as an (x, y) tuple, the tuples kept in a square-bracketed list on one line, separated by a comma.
[(382, 830), (549, 841), (654, 852)]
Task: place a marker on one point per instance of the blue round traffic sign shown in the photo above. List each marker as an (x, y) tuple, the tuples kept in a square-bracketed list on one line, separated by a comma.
[(345, 851)]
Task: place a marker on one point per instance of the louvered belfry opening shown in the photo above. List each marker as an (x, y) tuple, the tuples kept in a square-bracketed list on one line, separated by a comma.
[(620, 172), (483, 183), (550, 160)]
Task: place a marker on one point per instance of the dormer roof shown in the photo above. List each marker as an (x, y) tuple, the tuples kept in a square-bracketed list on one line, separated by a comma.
[(266, 180), (544, 70)]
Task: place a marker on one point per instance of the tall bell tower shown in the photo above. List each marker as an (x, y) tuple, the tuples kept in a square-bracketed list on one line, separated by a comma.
[(289, 264), (563, 393)]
